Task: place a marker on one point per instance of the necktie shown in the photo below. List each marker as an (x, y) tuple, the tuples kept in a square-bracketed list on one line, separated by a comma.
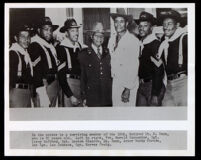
[(117, 40), (98, 53)]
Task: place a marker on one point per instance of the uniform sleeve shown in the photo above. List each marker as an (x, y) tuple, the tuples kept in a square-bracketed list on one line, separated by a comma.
[(83, 80), (62, 71), (130, 64), (38, 58), (158, 70), (13, 66)]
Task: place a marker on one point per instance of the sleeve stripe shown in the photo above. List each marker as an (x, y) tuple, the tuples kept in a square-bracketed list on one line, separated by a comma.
[(61, 66), (36, 61), (157, 63)]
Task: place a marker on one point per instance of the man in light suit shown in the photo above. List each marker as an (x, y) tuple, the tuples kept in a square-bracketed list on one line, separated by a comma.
[(124, 50)]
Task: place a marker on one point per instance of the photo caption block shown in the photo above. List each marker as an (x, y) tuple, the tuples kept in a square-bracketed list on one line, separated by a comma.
[(89, 140)]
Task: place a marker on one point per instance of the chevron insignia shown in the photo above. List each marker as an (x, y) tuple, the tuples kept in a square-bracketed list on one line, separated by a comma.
[(36, 61), (157, 63), (61, 66)]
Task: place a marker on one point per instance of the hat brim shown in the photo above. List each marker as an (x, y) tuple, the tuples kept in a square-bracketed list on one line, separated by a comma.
[(25, 30), (54, 27), (126, 17), (163, 17), (64, 28), (153, 22)]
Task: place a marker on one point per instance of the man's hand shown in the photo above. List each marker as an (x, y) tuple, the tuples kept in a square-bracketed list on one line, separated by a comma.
[(125, 95), (84, 103), (154, 101), (74, 101)]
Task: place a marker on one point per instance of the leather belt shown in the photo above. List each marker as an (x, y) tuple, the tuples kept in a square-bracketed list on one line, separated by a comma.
[(73, 76), (22, 86), (175, 76)]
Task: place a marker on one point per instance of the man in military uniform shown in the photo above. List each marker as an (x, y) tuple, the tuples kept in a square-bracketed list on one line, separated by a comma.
[(124, 50), (96, 81), (149, 89), (69, 67), (44, 57), (173, 52), (21, 70)]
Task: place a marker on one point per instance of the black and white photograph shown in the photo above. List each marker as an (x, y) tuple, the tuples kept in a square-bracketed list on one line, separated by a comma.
[(142, 62), (94, 62)]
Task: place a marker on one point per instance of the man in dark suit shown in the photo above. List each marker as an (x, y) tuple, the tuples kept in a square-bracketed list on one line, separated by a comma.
[(44, 59), (96, 81)]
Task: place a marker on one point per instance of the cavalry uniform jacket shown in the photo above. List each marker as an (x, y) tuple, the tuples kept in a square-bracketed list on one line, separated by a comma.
[(43, 56), (20, 66), (172, 63), (69, 64), (147, 69), (173, 52), (96, 81)]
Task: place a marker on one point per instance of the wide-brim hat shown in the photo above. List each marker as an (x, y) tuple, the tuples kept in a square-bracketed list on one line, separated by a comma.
[(121, 13), (169, 14), (46, 21), (23, 27), (145, 16), (69, 23)]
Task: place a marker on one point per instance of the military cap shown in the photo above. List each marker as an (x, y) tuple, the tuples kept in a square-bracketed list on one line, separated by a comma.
[(69, 23), (46, 21), (145, 16)]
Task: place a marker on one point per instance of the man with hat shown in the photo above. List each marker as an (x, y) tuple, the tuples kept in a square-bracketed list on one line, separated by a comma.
[(96, 80), (173, 51), (21, 70), (124, 50), (69, 67), (149, 74), (44, 59)]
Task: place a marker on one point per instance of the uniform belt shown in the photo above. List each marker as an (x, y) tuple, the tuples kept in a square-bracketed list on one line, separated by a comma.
[(52, 75), (175, 76), (22, 86), (145, 80), (73, 76)]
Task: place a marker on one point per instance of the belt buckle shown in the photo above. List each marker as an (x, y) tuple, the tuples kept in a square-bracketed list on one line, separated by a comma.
[(176, 76)]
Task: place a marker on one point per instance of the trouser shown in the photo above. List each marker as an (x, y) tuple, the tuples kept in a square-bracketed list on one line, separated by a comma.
[(75, 88), (144, 94), (52, 91), (176, 92), (20, 98), (117, 90)]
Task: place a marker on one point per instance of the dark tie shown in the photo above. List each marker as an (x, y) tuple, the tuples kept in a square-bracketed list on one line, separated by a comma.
[(117, 41), (98, 53)]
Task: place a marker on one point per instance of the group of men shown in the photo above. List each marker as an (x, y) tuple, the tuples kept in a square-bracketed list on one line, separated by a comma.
[(141, 70)]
